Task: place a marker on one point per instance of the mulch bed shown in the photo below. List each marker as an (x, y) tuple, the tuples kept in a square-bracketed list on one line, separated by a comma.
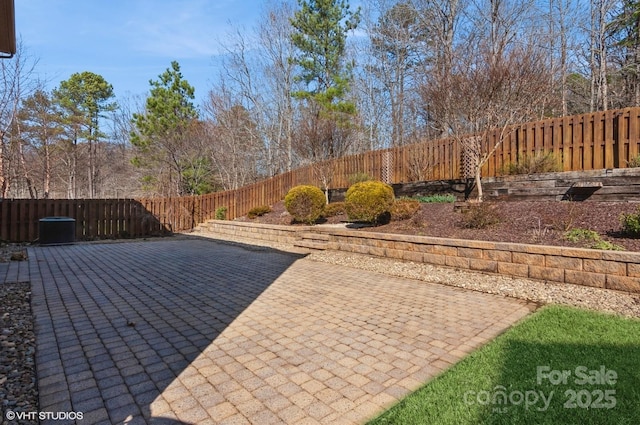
[(531, 222)]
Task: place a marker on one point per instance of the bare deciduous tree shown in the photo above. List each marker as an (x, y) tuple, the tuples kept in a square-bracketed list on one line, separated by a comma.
[(439, 21), (484, 94), (420, 164), (396, 38), (599, 47), (15, 84), (274, 35), (233, 139)]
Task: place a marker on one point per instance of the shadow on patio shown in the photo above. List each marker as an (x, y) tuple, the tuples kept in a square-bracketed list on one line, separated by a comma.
[(120, 326)]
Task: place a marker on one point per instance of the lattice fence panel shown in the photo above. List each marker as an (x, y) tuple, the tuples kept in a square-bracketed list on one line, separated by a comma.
[(387, 167)]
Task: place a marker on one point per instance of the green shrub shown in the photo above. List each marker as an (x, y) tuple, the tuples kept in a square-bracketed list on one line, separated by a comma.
[(404, 208), (607, 246), (581, 235), (631, 223), (334, 209), (480, 216), (369, 201), (258, 211), (305, 203), (358, 178), (436, 199), (221, 213), (593, 239), (532, 164)]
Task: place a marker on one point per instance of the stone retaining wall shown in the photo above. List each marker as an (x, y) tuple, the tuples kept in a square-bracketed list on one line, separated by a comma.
[(273, 233), (603, 269), (618, 184), (589, 267)]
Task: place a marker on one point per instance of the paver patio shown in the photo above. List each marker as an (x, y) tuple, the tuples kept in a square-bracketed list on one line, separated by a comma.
[(193, 330)]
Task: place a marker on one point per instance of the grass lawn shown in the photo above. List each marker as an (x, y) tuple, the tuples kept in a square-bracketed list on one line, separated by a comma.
[(561, 365)]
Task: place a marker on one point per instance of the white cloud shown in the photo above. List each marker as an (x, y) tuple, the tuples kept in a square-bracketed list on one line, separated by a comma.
[(183, 29)]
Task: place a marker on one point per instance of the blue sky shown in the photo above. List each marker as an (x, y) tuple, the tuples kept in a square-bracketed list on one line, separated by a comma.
[(129, 42)]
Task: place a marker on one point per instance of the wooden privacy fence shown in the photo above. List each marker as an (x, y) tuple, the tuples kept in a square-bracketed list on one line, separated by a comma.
[(584, 142), (592, 141), (98, 218)]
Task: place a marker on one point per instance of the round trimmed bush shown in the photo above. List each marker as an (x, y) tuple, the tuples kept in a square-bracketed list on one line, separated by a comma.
[(369, 201), (305, 203)]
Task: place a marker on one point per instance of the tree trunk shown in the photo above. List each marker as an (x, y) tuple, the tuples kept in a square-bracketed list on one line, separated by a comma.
[(46, 183), (23, 163), (478, 179), (3, 180)]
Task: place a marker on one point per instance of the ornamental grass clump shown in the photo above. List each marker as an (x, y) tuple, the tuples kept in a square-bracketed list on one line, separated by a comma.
[(532, 164), (369, 201), (404, 209), (480, 216), (305, 203), (258, 211)]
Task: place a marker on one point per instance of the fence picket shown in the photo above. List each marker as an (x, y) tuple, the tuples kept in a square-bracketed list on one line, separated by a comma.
[(632, 139)]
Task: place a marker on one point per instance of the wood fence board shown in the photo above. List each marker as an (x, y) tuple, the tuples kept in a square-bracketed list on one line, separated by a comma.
[(32, 220), (622, 139), (566, 148), (127, 217), (557, 139), (120, 223), (15, 220), (587, 134), (539, 136), (634, 135), (578, 147), (4, 220), (100, 231), (608, 140), (530, 140), (137, 216), (547, 134), (598, 141)]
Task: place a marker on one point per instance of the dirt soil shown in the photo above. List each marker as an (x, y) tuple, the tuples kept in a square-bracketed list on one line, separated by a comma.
[(532, 222)]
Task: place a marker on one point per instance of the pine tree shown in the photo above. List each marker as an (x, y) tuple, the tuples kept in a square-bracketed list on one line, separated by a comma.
[(164, 132), (320, 34), (85, 97)]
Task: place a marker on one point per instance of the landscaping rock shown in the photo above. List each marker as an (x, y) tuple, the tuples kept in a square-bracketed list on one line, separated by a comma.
[(18, 385)]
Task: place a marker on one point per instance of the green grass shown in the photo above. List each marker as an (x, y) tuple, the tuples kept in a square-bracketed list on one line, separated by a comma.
[(560, 338)]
